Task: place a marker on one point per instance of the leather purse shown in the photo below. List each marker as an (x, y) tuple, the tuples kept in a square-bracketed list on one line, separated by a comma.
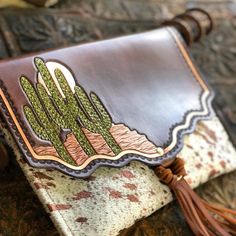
[(108, 103), (104, 103)]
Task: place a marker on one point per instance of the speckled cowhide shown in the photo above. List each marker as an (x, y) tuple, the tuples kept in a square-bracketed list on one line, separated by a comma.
[(104, 103)]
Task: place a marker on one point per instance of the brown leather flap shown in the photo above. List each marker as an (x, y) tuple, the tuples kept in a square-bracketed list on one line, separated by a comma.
[(130, 98)]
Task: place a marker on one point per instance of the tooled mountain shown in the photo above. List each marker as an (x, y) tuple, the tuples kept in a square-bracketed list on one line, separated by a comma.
[(127, 140)]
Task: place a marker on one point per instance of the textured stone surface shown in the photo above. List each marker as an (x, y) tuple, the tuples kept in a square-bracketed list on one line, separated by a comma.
[(99, 206)]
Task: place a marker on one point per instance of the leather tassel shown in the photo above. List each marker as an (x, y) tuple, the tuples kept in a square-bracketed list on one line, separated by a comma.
[(203, 218)]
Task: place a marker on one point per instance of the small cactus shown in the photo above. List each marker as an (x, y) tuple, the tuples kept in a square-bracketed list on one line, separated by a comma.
[(41, 123), (97, 119), (90, 111), (63, 111)]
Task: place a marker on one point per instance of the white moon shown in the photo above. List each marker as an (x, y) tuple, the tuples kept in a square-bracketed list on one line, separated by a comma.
[(51, 67)]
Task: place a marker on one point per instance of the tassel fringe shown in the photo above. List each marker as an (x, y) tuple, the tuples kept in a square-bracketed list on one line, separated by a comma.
[(203, 218)]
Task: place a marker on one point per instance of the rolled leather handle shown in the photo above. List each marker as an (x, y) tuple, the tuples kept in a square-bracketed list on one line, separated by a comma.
[(192, 25)]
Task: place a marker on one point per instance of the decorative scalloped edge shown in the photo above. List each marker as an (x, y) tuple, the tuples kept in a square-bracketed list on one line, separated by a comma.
[(205, 110)]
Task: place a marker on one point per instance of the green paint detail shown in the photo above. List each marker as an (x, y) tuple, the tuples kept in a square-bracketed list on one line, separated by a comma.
[(41, 122), (49, 113), (96, 118), (64, 109)]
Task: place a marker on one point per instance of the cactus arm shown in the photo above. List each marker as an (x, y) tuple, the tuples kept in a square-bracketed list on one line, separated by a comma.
[(50, 107), (35, 125), (87, 117), (86, 103), (66, 89), (43, 70), (105, 124), (101, 109), (33, 99), (73, 108), (50, 84)]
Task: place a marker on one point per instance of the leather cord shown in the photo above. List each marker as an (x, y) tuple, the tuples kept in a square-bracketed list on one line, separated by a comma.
[(203, 218)]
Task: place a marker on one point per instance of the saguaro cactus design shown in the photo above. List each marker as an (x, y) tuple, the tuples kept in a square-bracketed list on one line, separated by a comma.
[(63, 111), (90, 112), (40, 122), (97, 119), (54, 107)]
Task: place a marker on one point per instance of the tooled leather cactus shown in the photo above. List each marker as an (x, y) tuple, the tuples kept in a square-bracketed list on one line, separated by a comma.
[(92, 115), (97, 119), (60, 111), (41, 123), (91, 112), (70, 110)]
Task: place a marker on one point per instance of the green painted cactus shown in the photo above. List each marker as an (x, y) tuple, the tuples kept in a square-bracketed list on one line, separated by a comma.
[(63, 111), (91, 112), (50, 112), (96, 119), (41, 123)]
